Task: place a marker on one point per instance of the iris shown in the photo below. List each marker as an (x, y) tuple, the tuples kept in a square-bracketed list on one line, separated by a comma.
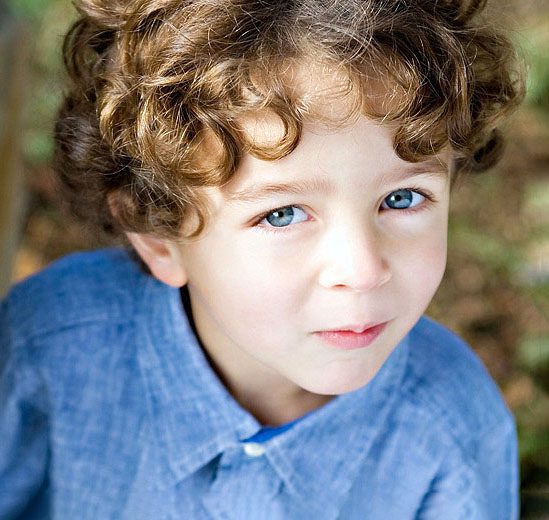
[(281, 217), (402, 199)]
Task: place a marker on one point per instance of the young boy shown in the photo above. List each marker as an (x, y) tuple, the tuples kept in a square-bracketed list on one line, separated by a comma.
[(282, 173)]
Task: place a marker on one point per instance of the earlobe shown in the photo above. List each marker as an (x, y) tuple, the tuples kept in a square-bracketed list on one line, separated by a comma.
[(162, 257)]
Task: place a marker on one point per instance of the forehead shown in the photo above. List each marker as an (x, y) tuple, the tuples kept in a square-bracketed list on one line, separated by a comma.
[(359, 153)]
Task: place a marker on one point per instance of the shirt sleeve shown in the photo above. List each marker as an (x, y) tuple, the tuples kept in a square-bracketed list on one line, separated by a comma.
[(23, 429), (482, 487)]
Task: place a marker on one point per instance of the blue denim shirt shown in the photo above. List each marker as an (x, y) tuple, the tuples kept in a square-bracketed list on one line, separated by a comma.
[(110, 410)]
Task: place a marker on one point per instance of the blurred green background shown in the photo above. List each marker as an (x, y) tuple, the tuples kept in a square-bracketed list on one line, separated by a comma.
[(496, 291)]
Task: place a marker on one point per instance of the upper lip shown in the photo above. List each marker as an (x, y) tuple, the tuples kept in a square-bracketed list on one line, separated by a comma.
[(358, 329)]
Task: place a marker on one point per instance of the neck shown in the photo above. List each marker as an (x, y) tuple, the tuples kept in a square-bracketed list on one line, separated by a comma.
[(269, 397), (274, 408)]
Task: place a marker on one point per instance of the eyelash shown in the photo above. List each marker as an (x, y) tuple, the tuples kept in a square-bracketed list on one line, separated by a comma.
[(429, 200)]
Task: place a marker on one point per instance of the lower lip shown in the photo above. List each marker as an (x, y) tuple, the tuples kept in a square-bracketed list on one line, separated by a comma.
[(349, 340)]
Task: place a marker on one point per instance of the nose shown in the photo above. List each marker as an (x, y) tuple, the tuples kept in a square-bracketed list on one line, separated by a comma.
[(353, 259)]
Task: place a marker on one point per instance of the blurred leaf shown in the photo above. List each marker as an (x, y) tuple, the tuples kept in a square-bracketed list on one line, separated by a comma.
[(533, 428), (490, 249), (38, 147), (533, 355), (49, 20), (535, 445), (536, 196), (535, 46), (29, 8), (533, 352)]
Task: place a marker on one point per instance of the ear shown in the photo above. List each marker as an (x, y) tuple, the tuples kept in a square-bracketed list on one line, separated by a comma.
[(163, 258)]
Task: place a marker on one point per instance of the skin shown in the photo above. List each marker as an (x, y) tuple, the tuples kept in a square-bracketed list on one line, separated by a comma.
[(261, 294)]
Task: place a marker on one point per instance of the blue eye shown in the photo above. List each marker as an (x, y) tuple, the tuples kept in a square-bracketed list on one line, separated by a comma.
[(285, 216), (402, 199)]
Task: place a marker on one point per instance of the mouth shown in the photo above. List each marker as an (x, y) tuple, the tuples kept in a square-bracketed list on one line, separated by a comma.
[(351, 337)]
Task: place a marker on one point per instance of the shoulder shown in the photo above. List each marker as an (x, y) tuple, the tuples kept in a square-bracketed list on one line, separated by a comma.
[(80, 288), (447, 384), (73, 328)]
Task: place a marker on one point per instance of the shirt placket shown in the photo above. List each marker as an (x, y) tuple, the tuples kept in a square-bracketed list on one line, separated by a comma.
[(245, 486)]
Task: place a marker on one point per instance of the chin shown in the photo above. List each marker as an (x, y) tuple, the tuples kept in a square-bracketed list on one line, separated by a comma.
[(338, 385)]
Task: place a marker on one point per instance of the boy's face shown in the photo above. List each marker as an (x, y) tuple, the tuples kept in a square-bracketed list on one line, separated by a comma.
[(304, 253)]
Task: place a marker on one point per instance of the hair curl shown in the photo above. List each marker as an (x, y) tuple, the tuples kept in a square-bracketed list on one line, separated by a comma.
[(153, 81)]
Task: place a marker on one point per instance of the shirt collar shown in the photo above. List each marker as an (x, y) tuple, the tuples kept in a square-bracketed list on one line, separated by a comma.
[(194, 418)]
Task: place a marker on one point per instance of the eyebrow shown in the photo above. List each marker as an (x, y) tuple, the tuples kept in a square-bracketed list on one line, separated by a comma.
[(260, 192)]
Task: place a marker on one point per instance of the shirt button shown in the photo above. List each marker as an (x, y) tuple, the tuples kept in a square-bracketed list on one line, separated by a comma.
[(253, 449)]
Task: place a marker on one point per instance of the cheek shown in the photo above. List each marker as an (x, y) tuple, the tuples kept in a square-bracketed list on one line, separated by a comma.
[(248, 293), (428, 265), (271, 292), (418, 253)]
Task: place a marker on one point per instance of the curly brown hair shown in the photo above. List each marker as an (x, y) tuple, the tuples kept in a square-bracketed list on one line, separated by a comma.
[(152, 82)]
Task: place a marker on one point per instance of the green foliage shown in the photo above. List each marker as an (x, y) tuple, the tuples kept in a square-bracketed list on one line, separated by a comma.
[(534, 455), (534, 354), (537, 193), (490, 250), (533, 421), (46, 21), (29, 8), (535, 46)]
